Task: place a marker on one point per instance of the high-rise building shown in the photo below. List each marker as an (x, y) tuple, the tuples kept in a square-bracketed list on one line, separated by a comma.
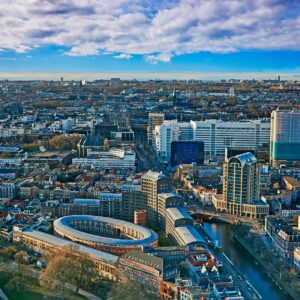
[(285, 136), (169, 132), (241, 183), (153, 120), (153, 183)]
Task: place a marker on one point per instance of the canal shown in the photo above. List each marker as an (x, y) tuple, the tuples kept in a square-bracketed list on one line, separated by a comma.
[(244, 261)]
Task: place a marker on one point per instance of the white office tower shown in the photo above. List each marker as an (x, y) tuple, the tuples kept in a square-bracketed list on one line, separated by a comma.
[(169, 132), (285, 136)]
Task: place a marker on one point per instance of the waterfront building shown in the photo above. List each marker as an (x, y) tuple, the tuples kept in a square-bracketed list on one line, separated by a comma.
[(241, 187), (153, 120), (180, 228), (285, 136), (284, 238), (166, 200)]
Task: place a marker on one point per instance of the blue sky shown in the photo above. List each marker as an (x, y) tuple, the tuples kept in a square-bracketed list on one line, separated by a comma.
[(150, 36)]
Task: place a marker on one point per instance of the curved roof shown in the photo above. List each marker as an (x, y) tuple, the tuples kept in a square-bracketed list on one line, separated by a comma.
[(62, 225), (245, 158)]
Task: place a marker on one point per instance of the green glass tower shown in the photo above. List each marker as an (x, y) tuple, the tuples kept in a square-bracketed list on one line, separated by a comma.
[(285, 136)]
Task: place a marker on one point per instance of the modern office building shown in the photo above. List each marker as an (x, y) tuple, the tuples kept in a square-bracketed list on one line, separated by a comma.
[(187, 152), (285, 136), (241, 186), (216, 135), (153, 120), (152, 184)]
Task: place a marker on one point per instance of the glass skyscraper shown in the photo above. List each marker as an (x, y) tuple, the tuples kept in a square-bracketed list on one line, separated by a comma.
[(285, 136)]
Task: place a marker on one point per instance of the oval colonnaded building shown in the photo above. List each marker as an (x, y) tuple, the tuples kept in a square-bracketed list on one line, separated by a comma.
[(108, 234)]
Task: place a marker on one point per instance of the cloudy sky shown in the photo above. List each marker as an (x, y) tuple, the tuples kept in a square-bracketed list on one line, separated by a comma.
[(150, 35)]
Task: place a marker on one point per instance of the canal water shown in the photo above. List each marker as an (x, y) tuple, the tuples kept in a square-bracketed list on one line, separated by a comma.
[(244, 262)]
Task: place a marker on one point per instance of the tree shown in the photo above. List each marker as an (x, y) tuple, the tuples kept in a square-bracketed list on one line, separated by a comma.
[(19, 280), (7, 253), (31, 147), (130, 290), (65, 142), (68, 266)]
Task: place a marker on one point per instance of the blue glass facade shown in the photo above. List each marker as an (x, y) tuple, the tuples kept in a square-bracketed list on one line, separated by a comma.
[(187, 152), (285, 151)]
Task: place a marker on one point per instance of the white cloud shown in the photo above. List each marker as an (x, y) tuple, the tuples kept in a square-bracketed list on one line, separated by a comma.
[(154, 59), (157, 29), (123, 56)]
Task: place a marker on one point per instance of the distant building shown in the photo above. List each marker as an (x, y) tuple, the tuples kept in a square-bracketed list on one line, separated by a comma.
[(187, 152), (285, 136), (153, 120), (114, 158), (216, 135), (90, 143)]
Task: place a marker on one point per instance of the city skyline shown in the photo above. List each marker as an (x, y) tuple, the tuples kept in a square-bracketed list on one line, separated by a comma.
[(150, 36)]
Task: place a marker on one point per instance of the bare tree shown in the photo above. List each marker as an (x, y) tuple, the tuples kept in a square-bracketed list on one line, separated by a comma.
[(69, 266)]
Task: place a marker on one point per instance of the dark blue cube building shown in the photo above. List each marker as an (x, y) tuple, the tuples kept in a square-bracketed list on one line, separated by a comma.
[(187, 152)]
